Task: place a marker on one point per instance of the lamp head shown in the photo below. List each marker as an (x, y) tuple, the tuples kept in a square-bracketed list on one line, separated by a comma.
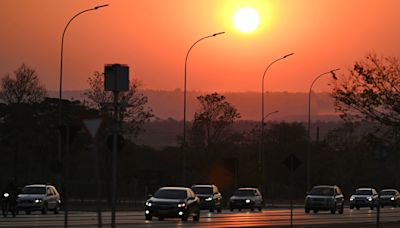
[(334, 74), (218, 33), (100, 6), (288, 55)]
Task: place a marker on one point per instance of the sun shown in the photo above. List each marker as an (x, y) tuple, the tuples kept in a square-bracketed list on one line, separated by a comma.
[(246, 19)]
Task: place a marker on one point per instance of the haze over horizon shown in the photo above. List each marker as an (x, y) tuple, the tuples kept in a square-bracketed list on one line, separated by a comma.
[(153, 38)]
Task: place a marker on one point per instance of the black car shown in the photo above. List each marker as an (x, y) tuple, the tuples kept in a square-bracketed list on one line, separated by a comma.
[(173, 202), (389, 197), (324, 197), (210, 197)]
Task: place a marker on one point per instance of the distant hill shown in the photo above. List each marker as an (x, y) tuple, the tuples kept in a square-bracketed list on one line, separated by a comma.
[(165, 129), (291, 106)]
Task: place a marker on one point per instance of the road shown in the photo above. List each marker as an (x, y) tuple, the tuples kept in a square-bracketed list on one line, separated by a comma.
[(266, 218)]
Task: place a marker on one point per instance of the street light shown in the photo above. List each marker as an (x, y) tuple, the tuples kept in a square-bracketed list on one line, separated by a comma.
[(268, 114), (309, 122), (184, 103), (260, 157), (60, 103)]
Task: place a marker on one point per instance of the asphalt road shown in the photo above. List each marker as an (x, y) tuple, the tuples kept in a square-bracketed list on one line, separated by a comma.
[(266, 218)]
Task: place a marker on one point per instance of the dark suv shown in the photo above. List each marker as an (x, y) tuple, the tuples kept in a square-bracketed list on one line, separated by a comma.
[(173, 202), (209, 195), (324, 197), (364, 197)]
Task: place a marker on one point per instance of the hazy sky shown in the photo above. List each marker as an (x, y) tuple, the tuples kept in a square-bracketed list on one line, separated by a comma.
[(153, 37)]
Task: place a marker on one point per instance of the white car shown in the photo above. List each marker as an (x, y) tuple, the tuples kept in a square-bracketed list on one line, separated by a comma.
[(39, 197), (364, 197), (246, 198)]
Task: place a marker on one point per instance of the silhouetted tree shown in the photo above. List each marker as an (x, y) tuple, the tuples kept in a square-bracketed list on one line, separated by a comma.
[(135, 114), (371, 91), (211, 123), (24, 87)]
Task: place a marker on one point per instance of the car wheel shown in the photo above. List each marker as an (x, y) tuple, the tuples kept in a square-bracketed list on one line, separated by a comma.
[(315, 211), (231, 208), (358, 207), (56, 209), (341, 209), (149, 217), (259, 209), (219, 209), (372, 207), (196, 217), (240, 209), (28, 212), (351, 206), (333, 209), (160, 218), (251, 208), (44, 209), (184, 218), (307, 210)]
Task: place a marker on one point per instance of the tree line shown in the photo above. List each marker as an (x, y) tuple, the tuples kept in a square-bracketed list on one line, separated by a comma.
[(363, 151)]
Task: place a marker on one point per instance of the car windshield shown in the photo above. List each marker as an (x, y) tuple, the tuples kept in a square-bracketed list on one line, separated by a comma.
[(34, 190), (203, 190), (322, 191), (170, 194), (244, 192), (363, 192), (388, 193)]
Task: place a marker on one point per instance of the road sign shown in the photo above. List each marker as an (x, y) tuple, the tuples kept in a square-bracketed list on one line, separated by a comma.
[(292, 162), (92, 125)]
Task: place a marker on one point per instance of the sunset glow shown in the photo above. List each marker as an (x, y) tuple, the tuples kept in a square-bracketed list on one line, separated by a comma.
[(153, 37), (246, 19)]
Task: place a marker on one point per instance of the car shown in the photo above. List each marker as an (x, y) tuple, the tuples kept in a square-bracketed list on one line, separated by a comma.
[(173, 202), (246, 198), (210, 197), (364, 197), (389, 197), (324, 197), (39, 197)]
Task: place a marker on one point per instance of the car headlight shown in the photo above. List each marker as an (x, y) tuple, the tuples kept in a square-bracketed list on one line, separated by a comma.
[(209, 198), (6, 195), (181, 204), (352, 198), (38, 200), (148, 204), (369, 198), (392, 198), (248, 201)]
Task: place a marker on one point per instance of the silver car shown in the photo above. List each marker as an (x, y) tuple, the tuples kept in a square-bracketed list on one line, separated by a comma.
[(246, 198), (364, 197), (39, 197), (324, 197)]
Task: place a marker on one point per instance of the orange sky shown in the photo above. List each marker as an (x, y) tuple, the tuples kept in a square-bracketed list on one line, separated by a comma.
[(153, 36)]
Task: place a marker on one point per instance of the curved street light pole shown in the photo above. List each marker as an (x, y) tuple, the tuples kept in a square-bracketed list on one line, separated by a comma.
[(260, 157), (184, 103), (60, 106), (309, 124), (268, 114)]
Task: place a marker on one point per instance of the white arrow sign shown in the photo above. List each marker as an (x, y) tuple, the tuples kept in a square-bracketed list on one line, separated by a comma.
[(92, 126)]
